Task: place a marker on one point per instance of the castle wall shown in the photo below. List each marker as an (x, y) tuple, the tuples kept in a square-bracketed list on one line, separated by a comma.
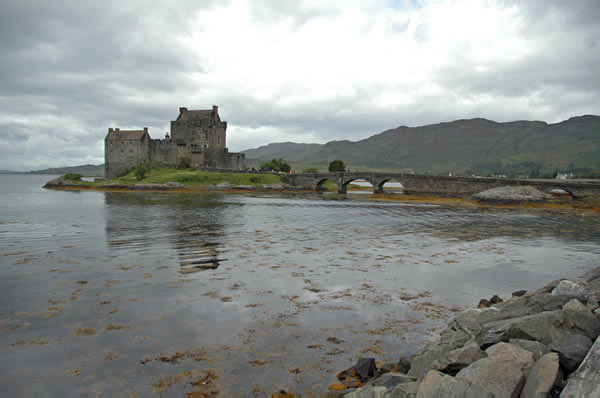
[(204, 132), (122, 155)]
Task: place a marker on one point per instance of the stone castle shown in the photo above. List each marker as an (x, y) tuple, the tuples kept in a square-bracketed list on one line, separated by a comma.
[(197, 135)]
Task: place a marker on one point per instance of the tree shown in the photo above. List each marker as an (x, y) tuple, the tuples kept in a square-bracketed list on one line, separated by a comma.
[(337, 165), (311, 170), (277, 165)]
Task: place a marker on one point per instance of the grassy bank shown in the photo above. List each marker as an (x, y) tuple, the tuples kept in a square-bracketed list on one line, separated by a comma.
[(188, 177)]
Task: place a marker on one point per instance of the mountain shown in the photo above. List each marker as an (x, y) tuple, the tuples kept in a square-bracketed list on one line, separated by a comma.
[(463, 146), (85, 170)]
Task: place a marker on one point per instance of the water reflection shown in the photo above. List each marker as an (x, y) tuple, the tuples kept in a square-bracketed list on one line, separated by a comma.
[(191, 225)]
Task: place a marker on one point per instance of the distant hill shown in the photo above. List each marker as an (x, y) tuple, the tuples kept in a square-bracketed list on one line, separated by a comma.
[(472, 146), (85, 170)]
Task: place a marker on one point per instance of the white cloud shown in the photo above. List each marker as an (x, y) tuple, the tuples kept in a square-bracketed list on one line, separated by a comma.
[(306, 71)]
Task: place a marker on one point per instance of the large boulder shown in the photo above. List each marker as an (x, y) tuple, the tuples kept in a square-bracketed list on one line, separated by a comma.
[(512, 194), (496, 376), (585, 381), (461, 330), (455, 360), (542, 377), (571, 350), (569, 288), (405, 390), (544, 327), (512, 354), (535, 347), (436, 386)]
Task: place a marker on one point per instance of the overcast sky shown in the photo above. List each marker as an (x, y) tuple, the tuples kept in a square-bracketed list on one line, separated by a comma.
[(302, 71)]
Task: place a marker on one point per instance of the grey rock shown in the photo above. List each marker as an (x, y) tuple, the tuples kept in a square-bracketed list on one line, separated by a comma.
[(512, 354), (421, 363), (157, 187), (575, 305), (498, 377), (592, 303), (522, 306), (535, 347), (585, 381), (496, 299), (449, 387), (512, 194), (569, 288), (428, 383), (277, 186), (597, 313), (459, 358), (583, 322), (367, 392), (406, 390), (571, 350), (390, 380), (519, 293), (403, 365), (365, 368), (545, 327), (542, 377), (223, 185), (112, 186), (245, 187)]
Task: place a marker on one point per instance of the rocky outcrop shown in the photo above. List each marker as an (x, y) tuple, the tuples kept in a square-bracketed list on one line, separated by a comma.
[(528, 346), (512, 194)]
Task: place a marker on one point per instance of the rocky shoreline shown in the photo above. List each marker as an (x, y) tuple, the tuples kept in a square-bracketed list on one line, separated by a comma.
[(536, 344), (63, 183)]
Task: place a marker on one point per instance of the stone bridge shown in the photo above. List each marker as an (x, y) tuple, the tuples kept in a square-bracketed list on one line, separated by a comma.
[(439, 185)]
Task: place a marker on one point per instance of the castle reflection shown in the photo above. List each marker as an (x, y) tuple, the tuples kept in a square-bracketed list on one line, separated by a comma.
[(188, 225)]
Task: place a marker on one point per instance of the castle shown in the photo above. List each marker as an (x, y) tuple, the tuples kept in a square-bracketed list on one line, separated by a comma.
[(197, 135)]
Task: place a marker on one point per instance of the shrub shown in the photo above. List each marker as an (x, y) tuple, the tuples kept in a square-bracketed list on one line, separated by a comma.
[(311, 170), (73, 177), (185, 162), (277, 165), (337, 165), (140, 170)]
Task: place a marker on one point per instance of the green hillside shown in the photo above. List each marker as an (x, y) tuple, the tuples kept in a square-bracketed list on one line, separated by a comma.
[(474, 146)]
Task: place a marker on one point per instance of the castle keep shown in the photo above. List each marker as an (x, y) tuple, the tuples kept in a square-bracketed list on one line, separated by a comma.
[(199, 135)]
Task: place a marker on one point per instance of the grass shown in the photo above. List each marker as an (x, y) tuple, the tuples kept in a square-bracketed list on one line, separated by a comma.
[(189, 178)]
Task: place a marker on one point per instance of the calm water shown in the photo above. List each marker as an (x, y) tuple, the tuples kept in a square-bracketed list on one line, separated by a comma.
[(148, 294)]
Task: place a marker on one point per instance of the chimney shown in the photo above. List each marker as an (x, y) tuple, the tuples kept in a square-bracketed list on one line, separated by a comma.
[(215, 109), (117, 129), (145, 129), (110, 130), (182, 110)]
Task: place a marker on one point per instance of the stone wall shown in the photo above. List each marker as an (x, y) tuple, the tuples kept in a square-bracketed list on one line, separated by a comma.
[(122, 155)]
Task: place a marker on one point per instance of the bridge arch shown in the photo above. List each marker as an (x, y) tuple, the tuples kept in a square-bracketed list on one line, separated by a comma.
[(343, 187), (320, 181), (379, 188)]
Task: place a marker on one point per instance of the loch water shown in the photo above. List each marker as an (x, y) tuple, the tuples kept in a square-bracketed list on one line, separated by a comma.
[(163, 294)]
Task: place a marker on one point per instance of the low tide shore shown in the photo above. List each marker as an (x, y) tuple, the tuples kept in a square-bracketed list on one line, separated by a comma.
[(536, 344)]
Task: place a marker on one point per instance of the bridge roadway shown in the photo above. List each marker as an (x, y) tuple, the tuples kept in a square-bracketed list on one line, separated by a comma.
[(440, 185)]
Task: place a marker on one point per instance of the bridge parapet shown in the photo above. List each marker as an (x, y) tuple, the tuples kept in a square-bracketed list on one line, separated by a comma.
[(438, 185)]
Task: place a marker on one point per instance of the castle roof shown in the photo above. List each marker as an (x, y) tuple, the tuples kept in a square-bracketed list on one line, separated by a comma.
[(200, 114), (126, 135)]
